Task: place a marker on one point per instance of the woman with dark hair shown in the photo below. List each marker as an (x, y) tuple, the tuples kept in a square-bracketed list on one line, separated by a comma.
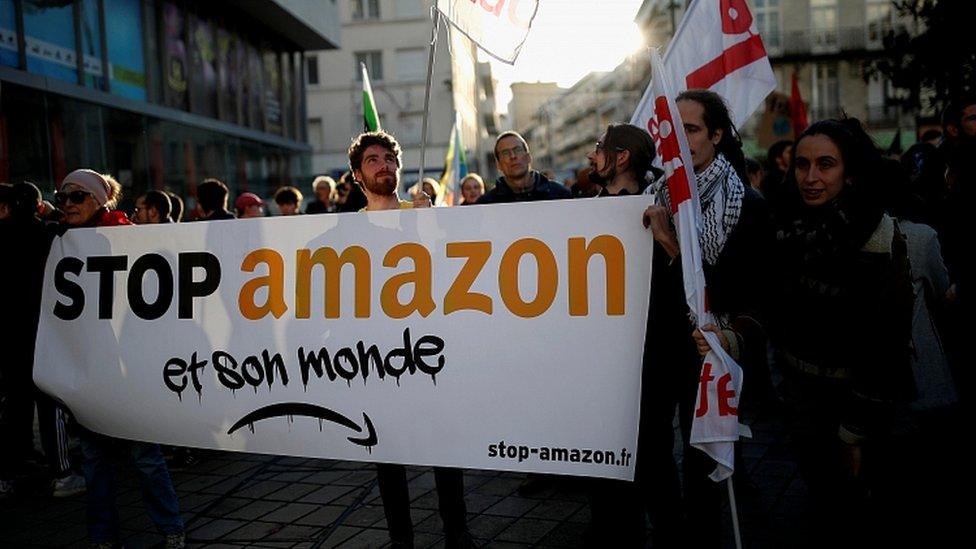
[(734, 239), (842, 320)]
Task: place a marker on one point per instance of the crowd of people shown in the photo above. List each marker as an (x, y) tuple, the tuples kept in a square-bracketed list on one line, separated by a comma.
[(837, 276)]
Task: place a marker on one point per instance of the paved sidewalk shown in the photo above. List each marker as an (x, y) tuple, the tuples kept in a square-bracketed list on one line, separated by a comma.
[(249, 500)]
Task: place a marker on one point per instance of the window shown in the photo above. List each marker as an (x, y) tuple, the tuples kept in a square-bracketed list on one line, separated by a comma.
[(766, 13), (49, 31), (823, 19), (411, 64), (315, 136), (360, 10), (374, 65), (826, 91), (8, 34), (878, 17), (123, 33), (312, 69), (408, 9)]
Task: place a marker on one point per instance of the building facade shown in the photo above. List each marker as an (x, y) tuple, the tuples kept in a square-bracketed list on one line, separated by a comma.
[(391, 37), (161, 94)]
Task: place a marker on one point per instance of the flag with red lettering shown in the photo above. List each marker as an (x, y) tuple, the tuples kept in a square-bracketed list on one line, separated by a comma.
[(498, 27), (716, 423), (717, 47)]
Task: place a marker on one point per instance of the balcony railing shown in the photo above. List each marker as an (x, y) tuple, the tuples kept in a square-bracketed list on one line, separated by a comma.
[(823, 41)]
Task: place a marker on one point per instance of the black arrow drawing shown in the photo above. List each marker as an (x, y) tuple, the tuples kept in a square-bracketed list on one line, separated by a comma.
[(291, 409)]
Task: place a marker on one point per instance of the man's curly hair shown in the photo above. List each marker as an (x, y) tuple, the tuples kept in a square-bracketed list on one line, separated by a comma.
[(367, 140)]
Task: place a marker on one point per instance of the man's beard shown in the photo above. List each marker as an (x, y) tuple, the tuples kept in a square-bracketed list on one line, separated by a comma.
[(383, 184), (600, 179)]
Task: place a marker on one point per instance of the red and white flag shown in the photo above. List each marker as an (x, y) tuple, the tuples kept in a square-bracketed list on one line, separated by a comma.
[(717, 47), (496, 26), (716, 423)]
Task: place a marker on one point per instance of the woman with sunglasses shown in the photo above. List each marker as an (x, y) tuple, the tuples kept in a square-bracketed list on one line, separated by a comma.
[(88, 198)]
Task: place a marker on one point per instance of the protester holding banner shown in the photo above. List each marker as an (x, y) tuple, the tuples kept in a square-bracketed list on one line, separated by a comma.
[(734, 240), (519, 182), (618, 163), (89, 198), (374, 158), (842, 319)]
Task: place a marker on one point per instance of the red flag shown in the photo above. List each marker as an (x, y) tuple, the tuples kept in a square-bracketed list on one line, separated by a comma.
[(798, 109)]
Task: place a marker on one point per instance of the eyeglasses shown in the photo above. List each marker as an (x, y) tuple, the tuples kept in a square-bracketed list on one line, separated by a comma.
[(75, 197), (512, 153)]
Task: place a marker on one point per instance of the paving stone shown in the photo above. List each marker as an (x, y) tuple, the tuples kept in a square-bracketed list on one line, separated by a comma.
[(323, 515), (255, 509), (215, 529), (512, 506), (260, 489), (500, 486), (567, 534), (326, 477), (340, 535), (326, 494), (526, 530), (296, 532), (292, 492), (368, 515), (357, 478), (256, 531), (370, 538), (554, 510), (487, 527), (290, 512), (477, 503)]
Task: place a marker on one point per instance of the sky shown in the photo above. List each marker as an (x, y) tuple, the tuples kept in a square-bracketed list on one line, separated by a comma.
[(568, 39)]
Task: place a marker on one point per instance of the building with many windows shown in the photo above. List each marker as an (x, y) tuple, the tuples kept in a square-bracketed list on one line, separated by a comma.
[(159, 93), (391, 37)]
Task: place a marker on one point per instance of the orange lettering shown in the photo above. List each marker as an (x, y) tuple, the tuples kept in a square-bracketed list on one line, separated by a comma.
[(459, 297), (422, 301), (580, 253), (274, 281), (332, 264), (547, 278)]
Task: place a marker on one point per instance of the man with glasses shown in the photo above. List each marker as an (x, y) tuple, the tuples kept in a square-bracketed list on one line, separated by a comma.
[(519, 182), (152, 207)]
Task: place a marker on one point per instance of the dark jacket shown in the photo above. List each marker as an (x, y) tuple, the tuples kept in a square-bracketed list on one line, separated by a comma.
[(219, 215), (542, 189)]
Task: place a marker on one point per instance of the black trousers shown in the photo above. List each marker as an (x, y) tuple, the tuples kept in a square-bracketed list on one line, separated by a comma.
[(396, 501)]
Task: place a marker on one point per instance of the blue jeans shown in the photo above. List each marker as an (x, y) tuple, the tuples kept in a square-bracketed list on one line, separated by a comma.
[(100, 469)]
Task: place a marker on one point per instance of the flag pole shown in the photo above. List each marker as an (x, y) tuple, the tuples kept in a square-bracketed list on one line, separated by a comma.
[(430, 72), (735, 514)]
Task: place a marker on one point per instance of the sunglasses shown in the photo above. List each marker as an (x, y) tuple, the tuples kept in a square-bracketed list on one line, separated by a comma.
[(75, 197)]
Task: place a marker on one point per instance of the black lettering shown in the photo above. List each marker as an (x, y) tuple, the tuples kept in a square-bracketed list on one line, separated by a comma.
[(190, 288), (106, 266), (314, 361), (560, 454), (511, 452), (175, 368), (252, 371), (407, 353), (195, 366), (523, 453), (587, 456), (544, 453), (420, 350), (225, 365), (370, 356), (164, 298), (272, 364), (574, 455), (492, 450), (69, 289), (350, 358)]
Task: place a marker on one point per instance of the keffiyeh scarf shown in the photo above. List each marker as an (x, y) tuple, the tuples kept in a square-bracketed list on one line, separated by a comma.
[(720, 193)]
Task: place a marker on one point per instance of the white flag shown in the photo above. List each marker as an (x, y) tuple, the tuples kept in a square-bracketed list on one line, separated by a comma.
[(717, 47), (496, 26), (716, 423)]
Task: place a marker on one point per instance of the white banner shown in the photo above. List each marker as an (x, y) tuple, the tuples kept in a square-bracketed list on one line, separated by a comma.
[(495, 337), (498, 27)]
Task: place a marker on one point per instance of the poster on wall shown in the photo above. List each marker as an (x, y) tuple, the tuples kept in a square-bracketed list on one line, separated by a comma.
[(123, 32), (8, 34), (174, 79), (203, 57), (49, 34), (227, 75), (272, 91)]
